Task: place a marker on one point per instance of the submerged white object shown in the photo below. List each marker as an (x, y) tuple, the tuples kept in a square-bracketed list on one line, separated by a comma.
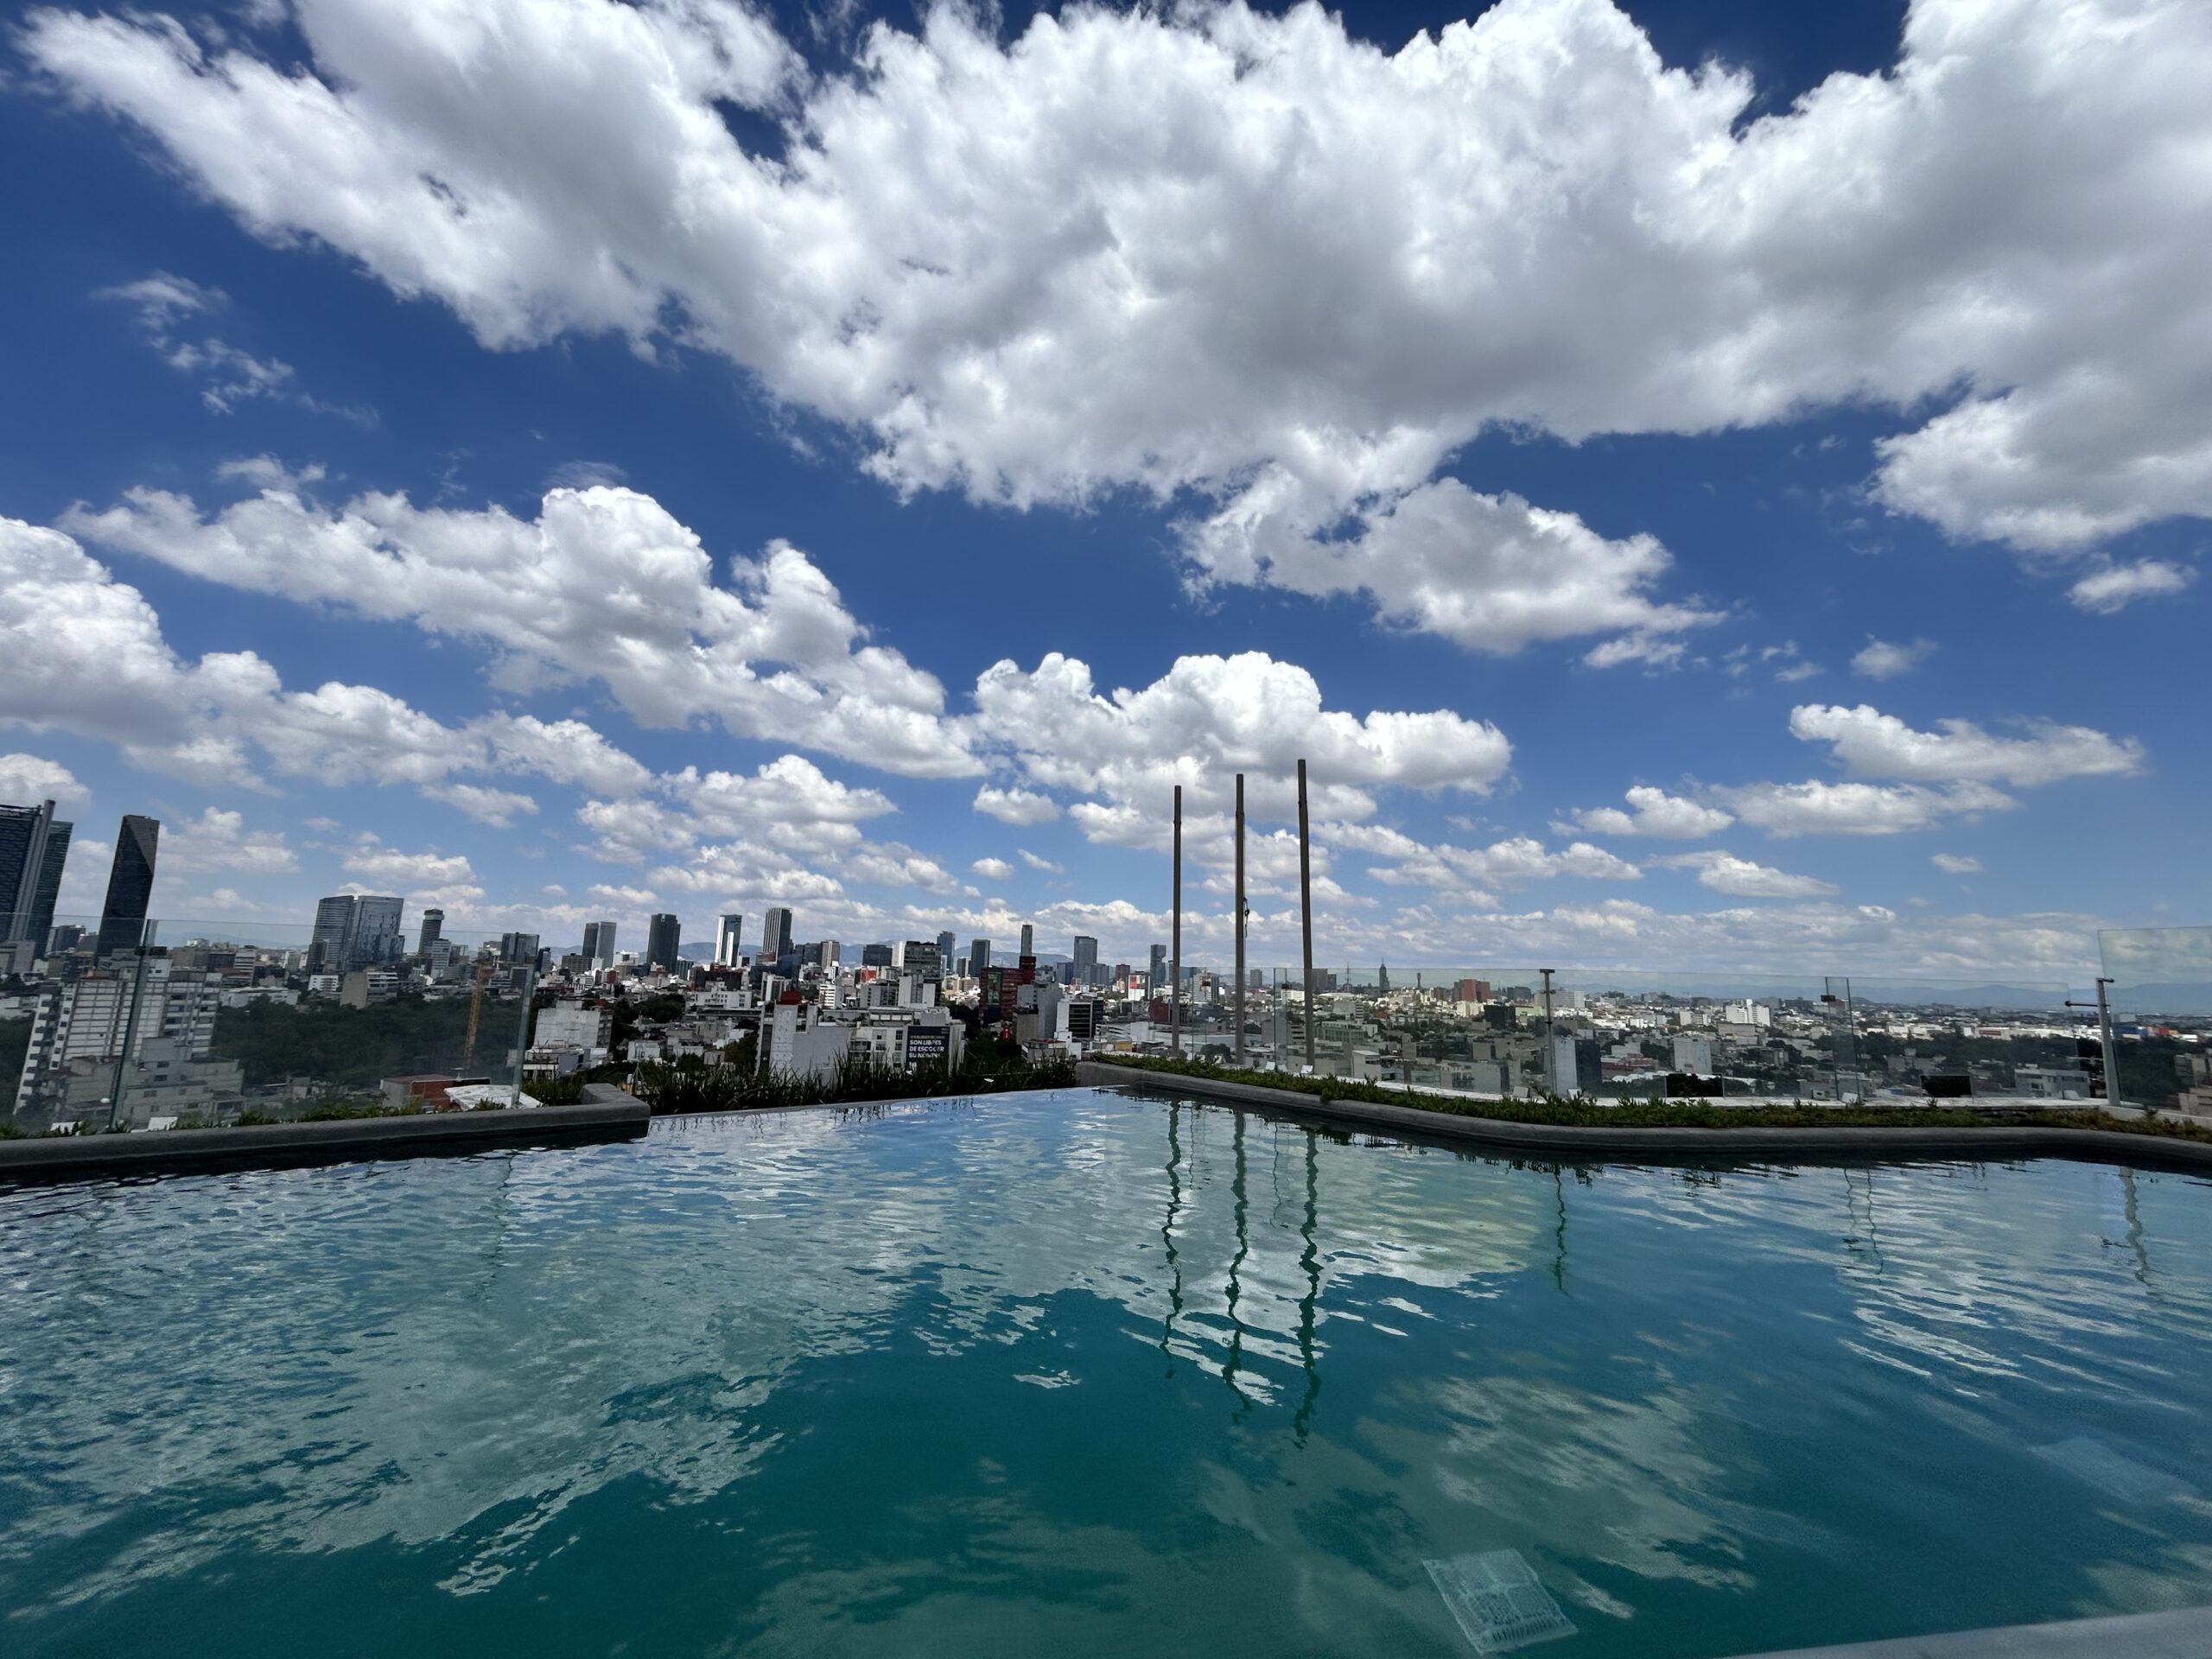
[(1497, 1600)]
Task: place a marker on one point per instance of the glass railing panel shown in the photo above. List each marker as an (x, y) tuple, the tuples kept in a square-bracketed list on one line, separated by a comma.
[(1848, 1036), (187, 1023), (2159, 992), (1474, 1033), (1613, 1033)]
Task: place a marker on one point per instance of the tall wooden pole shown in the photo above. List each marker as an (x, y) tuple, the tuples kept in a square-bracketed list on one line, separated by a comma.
[(1240, 918), (1305, 912), (1175, 974)]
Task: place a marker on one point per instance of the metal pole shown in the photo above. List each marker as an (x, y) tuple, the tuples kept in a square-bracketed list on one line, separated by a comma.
[(2113, 1096), (1305, 915), (1175, 974), (120, 1082), (1851, 1024), (523, 1035), (1551, 1064), (1239, 1003)]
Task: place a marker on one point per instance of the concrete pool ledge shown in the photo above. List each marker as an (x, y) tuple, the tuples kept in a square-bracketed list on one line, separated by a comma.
[(1597, 1141), (2185, 1633), (159, 1152)]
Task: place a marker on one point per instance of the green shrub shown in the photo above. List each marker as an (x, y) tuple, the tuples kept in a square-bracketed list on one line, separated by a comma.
[(673, 1089)]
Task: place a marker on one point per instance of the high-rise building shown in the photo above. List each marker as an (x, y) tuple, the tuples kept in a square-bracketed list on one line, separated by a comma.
[(1086, 960), (1473, 990), (919, 957), (33, 847), (330, 948), (1028, 941), (606, 956), (378, 935), (590, 952), (433, 929), (729, 942), (663, 942), (944, 949), (518, 950), (776, 933), (1155, 971), (1575, 1064), (875, 955), (129, 885), (979, 958)]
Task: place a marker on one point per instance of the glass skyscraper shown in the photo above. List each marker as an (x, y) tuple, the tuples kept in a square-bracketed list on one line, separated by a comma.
[(376, 931), (663, 942), (332, 945), (129, 885), (34, 846), (729, 942)]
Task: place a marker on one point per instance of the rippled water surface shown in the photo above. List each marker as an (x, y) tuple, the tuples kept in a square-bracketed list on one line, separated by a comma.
[(1079, 1374)]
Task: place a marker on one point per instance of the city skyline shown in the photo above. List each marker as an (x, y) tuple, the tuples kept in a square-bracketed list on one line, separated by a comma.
[(1645, 640)]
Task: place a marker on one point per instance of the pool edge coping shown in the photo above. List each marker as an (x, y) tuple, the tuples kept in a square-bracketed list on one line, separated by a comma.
[(334, 1141), (2002, 1140), (2172, 1633)]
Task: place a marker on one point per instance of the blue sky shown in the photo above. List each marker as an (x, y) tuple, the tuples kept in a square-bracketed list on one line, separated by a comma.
[(1797, 421)]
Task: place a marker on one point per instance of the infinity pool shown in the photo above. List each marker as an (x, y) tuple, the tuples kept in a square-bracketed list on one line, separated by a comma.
[(1077, 1374)]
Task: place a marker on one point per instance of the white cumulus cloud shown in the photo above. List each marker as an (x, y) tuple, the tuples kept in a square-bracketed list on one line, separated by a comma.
[(604, 583), (1883, 660), (1246, 256), (1015, 805), (2112, 587), (1742, 878), (1872, 744), (83, 653), (219, 840), (1207, 719), (1651, 812), (30, 778), (372, 860), (1818, 807)]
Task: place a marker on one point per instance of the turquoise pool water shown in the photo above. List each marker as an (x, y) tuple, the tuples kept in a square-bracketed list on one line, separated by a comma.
[(1080, 1374)]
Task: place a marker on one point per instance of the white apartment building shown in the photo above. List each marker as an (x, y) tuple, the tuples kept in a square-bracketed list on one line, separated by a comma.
[(154, 1023), (807, 1040)]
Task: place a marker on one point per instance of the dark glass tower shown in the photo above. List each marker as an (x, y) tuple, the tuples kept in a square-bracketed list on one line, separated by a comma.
[(662, 941), (129, 885), (332, 946), (34, 846)]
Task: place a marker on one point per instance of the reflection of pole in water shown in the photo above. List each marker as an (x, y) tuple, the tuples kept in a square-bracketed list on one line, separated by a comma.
[(1559, 1234), (1310, 1260), (1236, 1265), (495, 1253), (2134, 1228), (1861, 1207), (1168, 1230)]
